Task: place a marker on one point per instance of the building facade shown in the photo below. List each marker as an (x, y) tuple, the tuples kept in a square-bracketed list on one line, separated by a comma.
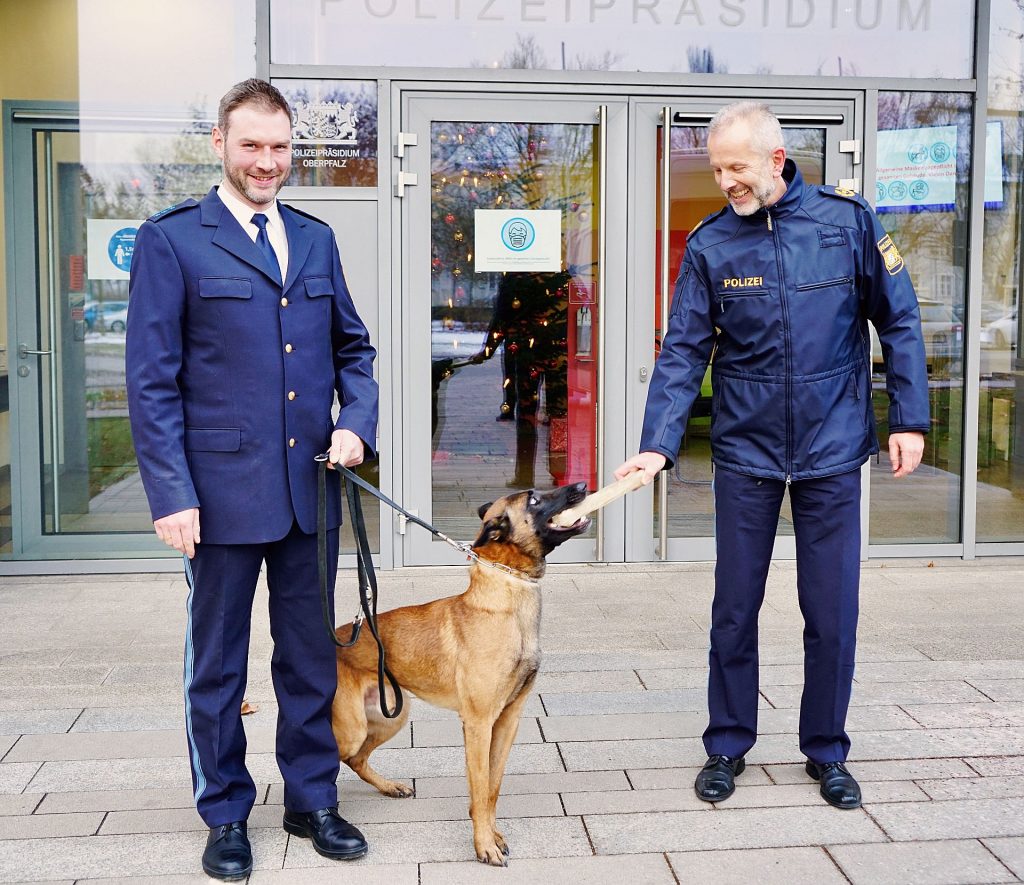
[(512, 183)]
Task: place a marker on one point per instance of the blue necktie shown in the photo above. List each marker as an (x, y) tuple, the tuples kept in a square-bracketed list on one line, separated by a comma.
[(263, 244)]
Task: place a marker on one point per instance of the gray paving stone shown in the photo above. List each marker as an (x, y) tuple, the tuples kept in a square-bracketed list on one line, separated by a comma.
[(553, 782), (765, 866), (6, 742), (650, 869), (633, 801), (693, 700), (920, 863), (38, 657), (48, 826), (683, 778), (174, 820), (901, 770), (1000, 689), (165, 718), (589, 680), (91, 857), (51, 697), (960, 819), (742, 828), (573, 662), (421, 710), (334, 873), (925, 671), (18, 803), (439, 841), (603, 755), (967, 715), (807, 793), (121, 800), (975, 788), (440, 761), (74, 674), (997, 767), (1010, 851), (38, 721), (15, 776), (447, 733), (875, 693)]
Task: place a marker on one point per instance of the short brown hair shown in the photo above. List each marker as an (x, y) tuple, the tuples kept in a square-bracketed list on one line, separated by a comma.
[(253, 91)]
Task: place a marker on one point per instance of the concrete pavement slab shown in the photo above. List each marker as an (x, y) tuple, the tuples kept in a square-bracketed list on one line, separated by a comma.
[(12, 804), (997, 766), (967, 715), (15, 776), (960, 862), (335, 873), (958, 819), (900, 693), (650, 869), (49, 826), (448, 733), (553, 782), (121, 800), (765, 866), (692, 700), (23, 722), (899, 770), (1010, 852), (683, 778), (974, 788), (999, 689), (742, 828)]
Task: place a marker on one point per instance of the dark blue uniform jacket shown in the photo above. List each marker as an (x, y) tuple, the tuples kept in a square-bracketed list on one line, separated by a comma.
[(783, 298), (231, 379)]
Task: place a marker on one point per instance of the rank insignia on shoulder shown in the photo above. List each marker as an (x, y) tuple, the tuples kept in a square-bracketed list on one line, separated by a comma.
[(891, 255), (849, 193), (184, 204), (845, 192)]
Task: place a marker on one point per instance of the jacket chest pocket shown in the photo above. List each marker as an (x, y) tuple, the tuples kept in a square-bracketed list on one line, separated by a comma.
[(838, 284), (724, 297), (318, 287), (225, 287)]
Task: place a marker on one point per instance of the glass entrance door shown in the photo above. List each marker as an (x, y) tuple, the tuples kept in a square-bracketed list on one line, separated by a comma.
[(506, 262), (674, 192)]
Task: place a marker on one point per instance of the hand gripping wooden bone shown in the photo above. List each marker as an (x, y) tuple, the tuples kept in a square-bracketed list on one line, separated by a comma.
[(600, 498)]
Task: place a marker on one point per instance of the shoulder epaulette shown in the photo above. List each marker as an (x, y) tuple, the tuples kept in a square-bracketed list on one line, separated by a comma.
[(291, 208), (708, 217), (170, 210), (844, 193)]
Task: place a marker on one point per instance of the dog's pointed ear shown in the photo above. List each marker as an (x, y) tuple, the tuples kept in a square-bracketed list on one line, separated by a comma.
[(497, 529), (483, 509)]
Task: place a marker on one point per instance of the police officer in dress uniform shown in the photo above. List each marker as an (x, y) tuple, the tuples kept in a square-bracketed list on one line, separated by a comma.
[(780, 284), (240, 332)]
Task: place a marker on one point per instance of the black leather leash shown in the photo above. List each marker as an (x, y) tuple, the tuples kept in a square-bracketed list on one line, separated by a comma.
[(367, 577)]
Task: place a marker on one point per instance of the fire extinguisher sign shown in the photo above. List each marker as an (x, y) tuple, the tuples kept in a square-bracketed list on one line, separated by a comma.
[(517, 240)]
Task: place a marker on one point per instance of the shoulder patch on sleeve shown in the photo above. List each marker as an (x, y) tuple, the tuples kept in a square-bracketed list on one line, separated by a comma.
[(170, 210), (891, 255), (291, 208)]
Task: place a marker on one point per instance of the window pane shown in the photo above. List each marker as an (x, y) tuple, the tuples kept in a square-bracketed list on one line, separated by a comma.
[(922, 201)]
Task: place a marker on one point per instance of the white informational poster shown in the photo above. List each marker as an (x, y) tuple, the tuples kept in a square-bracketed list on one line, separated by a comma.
[(916, 169), (994, 165), (517, 240), (110, 245)]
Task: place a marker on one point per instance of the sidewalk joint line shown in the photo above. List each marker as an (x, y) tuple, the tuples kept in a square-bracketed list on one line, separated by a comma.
[(81, 713), (675, 878), (1002, 863), (835, 862)]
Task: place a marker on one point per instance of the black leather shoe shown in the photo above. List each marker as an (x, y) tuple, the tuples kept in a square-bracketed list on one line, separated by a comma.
[(228, 854), (332, 835), (715, 781), (838, 787)]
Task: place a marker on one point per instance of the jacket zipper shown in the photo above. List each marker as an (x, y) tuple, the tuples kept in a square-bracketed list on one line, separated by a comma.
[(787, 349)]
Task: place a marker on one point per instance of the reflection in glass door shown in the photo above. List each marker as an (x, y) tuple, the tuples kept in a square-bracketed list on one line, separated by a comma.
[(513, 363)]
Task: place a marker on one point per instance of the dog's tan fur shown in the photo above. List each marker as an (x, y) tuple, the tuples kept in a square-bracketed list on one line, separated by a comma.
[(476, 653)]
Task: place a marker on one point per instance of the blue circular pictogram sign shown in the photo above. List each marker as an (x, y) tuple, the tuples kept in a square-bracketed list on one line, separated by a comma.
[(917, 153), (518, 234), (121, 247), (897, 190), (918, 189), (940, 152)]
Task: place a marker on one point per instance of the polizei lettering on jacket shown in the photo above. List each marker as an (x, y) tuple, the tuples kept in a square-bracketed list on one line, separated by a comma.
[(742, 282)]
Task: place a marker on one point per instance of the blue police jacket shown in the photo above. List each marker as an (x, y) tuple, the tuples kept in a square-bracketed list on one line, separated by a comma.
[(232, 376), (782, 299)]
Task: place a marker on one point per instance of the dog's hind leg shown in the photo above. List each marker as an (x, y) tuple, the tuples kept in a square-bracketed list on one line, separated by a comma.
[(378, 731), (503, 736), (477, 733)]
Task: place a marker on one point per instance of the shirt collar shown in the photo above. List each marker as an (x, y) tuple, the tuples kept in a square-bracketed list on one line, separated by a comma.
[(244, 213)]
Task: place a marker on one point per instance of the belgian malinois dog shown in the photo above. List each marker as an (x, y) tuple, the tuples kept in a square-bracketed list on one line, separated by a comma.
[(476, 653)]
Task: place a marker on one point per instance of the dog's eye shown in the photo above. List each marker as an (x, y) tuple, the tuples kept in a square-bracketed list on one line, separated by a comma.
[(533, 501)]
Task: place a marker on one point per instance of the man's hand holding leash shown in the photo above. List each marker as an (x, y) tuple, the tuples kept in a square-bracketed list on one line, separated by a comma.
[(346, 449)]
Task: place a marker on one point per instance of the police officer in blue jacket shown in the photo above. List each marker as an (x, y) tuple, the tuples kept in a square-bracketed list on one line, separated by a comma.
[(240, 332), (780, 285)]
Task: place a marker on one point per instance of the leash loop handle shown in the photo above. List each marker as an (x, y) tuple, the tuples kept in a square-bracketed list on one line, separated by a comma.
[(367, 578)]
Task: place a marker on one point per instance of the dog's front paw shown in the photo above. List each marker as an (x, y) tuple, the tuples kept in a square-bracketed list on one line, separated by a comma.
[(492, 854), (499, 840), (397, 790)]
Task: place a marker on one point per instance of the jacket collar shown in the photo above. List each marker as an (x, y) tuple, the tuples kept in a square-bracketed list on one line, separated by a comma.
[(790, 201), (230, 236)]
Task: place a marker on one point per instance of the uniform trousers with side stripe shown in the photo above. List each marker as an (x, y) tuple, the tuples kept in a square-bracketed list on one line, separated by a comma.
[(303, 668), (826, 524)]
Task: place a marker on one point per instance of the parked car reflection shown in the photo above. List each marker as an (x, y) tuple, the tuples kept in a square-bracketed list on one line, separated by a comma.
[(106, 316), (943, 337), (1000, 333)]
